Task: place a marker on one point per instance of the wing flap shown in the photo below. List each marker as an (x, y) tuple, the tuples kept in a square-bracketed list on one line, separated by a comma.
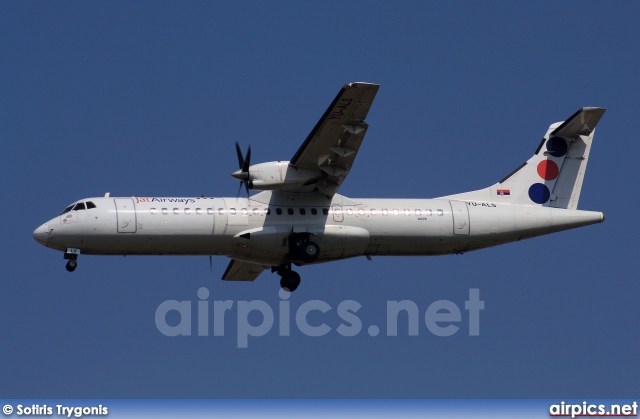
[(242, 271)]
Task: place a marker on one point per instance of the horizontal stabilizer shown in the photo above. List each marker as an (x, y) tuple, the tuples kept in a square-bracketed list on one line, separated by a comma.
[(242, 271), (582, 122)]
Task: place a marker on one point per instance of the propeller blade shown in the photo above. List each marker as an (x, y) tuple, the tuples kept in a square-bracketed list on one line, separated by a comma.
[(239, 189), (240, 158), (247, 161), (246, 186)]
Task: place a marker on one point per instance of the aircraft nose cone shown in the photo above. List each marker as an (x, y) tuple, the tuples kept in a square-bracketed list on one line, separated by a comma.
[(41, 234)]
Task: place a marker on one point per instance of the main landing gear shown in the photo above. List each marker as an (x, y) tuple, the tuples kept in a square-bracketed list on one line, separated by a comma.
[(71, 256), (289, 280), (302, 249)]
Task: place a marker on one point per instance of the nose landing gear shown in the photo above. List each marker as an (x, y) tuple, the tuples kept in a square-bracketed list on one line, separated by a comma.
[(72, 265), (71, 255)]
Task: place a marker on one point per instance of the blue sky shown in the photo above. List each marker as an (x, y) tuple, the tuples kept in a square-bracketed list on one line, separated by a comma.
[(148, 98)]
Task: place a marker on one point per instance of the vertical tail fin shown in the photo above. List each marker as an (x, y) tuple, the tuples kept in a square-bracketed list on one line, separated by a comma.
[(553, 176)]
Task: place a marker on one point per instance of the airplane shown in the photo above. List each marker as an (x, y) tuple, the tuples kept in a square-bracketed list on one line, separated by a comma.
[(298, 218)]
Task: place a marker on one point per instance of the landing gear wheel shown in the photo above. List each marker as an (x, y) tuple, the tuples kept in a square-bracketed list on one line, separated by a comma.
[(290, 281), (302, 249), (310, 252), (72, 265)]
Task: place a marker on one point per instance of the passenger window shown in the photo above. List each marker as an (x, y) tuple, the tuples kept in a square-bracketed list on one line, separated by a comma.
[(198, 211), (349, 211), (385, 212), (176, 211), (221, 211), (440, 212), (79, 206), (244, 211), (373, 212), (290, 211), (325, 211), (90, 205), (418, 212), (152, 210), (314, 211), (210, 211), (407, 212), (164, 211), (429, 212), (361, 211), (232, 211), (396, 212), (267, 211), (279, 211), (302, 211), (256, 211), (187, 211)]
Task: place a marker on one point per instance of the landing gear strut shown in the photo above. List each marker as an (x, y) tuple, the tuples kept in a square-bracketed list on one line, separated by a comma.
[(289, 280)]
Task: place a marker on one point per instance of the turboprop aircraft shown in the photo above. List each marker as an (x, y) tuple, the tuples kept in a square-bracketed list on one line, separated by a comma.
[(298, 218)]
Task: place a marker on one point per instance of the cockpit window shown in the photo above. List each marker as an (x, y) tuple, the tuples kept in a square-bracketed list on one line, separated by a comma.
[(90, 205), (79, 206), (66, 210)]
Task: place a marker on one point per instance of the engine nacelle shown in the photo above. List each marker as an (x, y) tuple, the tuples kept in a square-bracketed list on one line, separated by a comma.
[(280, 175)]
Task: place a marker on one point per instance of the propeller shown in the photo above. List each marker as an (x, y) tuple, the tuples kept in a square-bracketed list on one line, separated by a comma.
[(243, 173)]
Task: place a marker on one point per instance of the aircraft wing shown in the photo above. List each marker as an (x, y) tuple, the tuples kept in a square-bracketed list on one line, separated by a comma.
[(242, 271), (334, 142)]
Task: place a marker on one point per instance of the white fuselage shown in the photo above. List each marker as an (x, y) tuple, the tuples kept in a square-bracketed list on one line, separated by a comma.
[(257, 230)]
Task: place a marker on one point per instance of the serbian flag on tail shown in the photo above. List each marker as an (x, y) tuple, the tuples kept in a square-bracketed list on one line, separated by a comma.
[(504, 192)]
